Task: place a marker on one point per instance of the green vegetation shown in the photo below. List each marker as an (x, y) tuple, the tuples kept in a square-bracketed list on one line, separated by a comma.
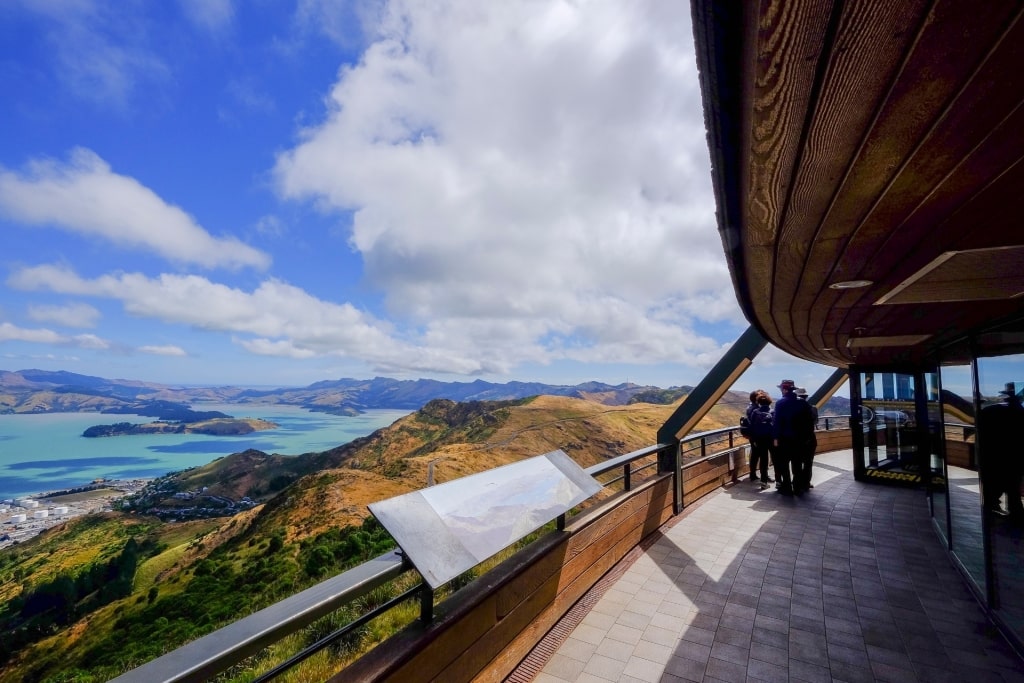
[(337, 548), (43, 609), (150, 617), (659, 396)]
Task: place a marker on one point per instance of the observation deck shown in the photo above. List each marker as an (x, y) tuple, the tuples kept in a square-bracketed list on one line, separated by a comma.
[(848, 582)]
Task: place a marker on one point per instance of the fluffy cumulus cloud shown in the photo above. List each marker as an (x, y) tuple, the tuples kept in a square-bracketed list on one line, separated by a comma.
[(525, 183), (10, 332), (528, 177), (85, 196), (275, 319), (71, 315)]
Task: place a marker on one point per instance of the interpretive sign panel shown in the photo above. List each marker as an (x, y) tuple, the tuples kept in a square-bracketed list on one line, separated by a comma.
[(447, 529)]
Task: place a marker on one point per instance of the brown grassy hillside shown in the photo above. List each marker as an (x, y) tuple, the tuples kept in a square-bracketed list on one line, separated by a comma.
[(462, 439), (270, 545)]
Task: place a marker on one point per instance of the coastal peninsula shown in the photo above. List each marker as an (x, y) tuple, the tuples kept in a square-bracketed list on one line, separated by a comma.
[(221, 426)]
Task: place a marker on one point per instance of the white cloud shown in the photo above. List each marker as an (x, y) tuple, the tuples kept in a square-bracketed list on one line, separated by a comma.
[(89, 341), (279, 319), (281, 348), (72, 315), (282, 319), (85, 196), (165, 350), (10, 332), (529, 181)]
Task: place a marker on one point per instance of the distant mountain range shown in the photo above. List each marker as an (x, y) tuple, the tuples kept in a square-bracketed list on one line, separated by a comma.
[(43, 391)]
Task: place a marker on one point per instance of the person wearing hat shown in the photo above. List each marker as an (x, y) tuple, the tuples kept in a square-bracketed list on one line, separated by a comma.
[(793, 425), (999, 428)]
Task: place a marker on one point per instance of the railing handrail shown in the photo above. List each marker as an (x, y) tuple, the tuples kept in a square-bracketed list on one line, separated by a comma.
[(216, 651), (619, 461), (225, 647)]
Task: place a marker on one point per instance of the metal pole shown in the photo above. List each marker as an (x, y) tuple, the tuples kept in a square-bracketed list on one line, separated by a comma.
[(426, 604), (677, 478)]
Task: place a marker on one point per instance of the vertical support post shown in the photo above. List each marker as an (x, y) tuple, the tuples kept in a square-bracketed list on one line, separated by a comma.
[(856, 425), (922, 432), (560, 522), (426, 604), (670, 460), (677, 479), (626, 472)]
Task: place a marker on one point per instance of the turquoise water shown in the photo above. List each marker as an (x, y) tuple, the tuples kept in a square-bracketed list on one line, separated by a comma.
[(48, 452)]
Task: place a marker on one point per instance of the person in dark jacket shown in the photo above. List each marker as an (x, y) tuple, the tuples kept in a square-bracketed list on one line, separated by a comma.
[(745, 431), (1001, 466), (793, 426), (803, 483), (762, 436)]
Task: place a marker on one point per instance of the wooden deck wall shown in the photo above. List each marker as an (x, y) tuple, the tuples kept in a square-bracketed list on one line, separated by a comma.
[(484, 630)]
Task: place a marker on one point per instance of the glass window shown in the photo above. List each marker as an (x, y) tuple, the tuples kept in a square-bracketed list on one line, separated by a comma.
[(1001, 447), (965, 533), (888, 417)]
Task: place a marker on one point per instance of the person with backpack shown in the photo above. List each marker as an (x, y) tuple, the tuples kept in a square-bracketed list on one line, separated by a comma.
[(745, 429), (761, 433)]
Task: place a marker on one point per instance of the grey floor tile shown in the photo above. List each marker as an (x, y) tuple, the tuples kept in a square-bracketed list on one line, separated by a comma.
[(686, 669), (767, 671), (847, 583), (726, 670), (605, 667)]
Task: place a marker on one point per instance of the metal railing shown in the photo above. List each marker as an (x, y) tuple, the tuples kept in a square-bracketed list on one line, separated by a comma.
[(216, 652)]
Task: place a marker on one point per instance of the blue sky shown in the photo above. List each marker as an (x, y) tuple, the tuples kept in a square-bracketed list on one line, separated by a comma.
[(275, 193)]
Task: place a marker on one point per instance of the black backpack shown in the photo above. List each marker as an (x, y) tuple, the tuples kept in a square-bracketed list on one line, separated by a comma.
[(745, 430)]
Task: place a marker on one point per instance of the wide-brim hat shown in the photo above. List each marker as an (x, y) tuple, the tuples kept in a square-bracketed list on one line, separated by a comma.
[(1010, 389), (787, 384)]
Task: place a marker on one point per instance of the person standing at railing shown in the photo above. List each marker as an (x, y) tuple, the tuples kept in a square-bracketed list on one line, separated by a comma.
[(806, 456), (793, 421), (747, 433), (761, 436)]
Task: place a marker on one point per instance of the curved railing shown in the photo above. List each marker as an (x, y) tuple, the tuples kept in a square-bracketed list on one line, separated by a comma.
[(218, 651)]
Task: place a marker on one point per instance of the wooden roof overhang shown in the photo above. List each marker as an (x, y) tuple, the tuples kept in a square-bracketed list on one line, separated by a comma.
[(872, 141)]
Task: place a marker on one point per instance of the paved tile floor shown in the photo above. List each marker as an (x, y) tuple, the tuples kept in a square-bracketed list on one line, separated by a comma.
[(846, 583)]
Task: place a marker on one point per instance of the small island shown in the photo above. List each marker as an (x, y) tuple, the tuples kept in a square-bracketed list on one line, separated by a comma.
[(221, 426)]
